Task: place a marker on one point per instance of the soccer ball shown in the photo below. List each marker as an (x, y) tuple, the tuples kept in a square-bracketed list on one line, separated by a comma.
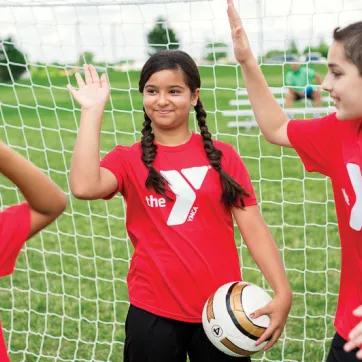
[(226, 320)]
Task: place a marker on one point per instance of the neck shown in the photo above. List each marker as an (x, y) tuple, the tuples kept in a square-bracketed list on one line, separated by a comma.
[(174, 137)]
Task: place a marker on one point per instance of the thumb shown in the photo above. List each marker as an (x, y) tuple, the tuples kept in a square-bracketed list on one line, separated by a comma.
[(71, 89), (259, 312)]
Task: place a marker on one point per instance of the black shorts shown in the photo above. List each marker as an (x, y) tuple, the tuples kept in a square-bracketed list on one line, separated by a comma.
[(337, 353), (150, 338), (298, 96)]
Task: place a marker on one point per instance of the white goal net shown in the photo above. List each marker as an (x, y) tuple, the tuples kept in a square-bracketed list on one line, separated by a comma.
[(67, 299)]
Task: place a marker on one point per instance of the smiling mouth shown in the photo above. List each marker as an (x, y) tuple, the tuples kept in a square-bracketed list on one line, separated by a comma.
[(163, 112)]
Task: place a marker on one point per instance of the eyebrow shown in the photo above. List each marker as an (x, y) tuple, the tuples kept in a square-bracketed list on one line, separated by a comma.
[(332, 65), (171, 86)]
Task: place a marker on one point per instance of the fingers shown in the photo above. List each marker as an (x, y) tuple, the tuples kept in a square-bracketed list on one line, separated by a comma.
[(104, 81), (358, 311), (260, 312), (79, 79), (234, 18), (274, 337), (355, 337), (93, 73), (87, 74)]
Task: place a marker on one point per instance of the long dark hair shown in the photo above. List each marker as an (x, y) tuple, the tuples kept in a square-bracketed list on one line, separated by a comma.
[(232, 192), (351, 38)]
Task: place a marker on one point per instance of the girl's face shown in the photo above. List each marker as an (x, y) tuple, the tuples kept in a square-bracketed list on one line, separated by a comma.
[(344, 83), (167, 99)]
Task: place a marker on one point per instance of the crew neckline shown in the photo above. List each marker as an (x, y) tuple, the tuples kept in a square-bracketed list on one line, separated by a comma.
[(180, 147)]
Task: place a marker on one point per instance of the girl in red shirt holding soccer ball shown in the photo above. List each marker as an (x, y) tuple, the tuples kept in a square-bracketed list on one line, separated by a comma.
[(182, 190), (331, 145)]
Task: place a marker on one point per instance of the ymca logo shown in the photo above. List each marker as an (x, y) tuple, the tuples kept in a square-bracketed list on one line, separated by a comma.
[(355, 176), (185, 195)]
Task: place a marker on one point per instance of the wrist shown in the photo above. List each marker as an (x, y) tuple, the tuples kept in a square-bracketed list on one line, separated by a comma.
[(249, 62), (95, 110)]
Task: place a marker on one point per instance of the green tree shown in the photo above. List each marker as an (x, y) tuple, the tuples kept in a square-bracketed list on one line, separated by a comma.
[(162, 37), (292, 48), (216, 51), (273, 53), (323, 48), (12, 61), (85, 58)]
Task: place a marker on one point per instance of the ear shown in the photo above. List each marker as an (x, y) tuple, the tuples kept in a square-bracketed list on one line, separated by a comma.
[(195, 97)]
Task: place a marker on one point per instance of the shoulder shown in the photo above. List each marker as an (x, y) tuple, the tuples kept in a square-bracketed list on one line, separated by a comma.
[(318, 129), (121, 149), (228, 150), (314, 123), (224, 147)]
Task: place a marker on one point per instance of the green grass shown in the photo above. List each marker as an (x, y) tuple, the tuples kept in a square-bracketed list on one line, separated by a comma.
[(67, 300)]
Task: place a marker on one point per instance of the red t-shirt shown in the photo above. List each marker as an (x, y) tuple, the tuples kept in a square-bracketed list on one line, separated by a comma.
[(15, 222), (334, 148), (184, 249)]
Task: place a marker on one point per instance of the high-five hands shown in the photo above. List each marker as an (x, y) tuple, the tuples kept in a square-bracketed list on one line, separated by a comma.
[(242, 49), (92, 93)]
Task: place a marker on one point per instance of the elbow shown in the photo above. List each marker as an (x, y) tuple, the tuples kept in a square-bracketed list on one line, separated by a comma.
[(82, 193), (60, 204)]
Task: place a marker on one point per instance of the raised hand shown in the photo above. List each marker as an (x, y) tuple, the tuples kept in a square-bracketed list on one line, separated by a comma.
[(92, 93), (242, 49)]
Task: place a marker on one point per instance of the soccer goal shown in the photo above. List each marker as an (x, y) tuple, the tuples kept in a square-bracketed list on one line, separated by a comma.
[(67, 299)]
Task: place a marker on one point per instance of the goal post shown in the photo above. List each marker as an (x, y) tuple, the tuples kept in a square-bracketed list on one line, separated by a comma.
[(67, 299)]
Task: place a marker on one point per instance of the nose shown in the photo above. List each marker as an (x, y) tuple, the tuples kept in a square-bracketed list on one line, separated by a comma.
[(326, 84), (162, 99)]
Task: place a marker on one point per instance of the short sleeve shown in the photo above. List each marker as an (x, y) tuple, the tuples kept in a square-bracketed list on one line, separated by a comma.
[(236, 168), (15, 224), (311, 73), (115, 161), (288, 78), (314, 140), (3, 352)]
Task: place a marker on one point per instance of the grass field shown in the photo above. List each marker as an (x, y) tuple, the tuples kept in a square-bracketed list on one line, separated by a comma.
[(67, 300)]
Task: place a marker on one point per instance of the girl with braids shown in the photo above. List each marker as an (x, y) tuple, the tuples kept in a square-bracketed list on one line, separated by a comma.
[(331, 145), (181, 190)]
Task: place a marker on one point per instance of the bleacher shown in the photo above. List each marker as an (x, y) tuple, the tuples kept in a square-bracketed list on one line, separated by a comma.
[(244, 117)]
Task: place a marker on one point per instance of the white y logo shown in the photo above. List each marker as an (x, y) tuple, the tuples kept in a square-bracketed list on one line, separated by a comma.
[(354, 173), (185, 195)]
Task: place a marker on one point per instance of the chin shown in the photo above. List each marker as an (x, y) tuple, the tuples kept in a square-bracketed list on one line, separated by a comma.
[(345, 116)]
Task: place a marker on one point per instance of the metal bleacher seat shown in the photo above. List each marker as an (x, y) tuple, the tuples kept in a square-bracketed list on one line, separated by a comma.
[(245, 117)]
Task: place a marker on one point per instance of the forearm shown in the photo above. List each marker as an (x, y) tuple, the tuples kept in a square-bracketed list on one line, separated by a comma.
[(85, 168), (268, 113), (42, 194), (266, 254)]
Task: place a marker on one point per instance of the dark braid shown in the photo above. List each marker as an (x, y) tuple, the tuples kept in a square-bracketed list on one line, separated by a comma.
[(232, 192), (149, 151)]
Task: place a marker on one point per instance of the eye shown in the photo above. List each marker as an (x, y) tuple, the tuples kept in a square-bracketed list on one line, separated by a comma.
[(336, 74), (175, 91), (151, 91)]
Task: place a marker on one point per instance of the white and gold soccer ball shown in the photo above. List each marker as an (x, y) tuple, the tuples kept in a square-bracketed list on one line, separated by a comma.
[(226, 318)]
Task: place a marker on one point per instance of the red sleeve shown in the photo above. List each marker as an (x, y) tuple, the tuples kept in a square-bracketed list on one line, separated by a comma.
[(314, 140), (236, 168), (3, 352), (115, 161), (15, 223)]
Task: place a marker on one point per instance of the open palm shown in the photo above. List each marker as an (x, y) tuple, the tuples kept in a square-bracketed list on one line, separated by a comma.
[(241, 44), (94, 92)]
